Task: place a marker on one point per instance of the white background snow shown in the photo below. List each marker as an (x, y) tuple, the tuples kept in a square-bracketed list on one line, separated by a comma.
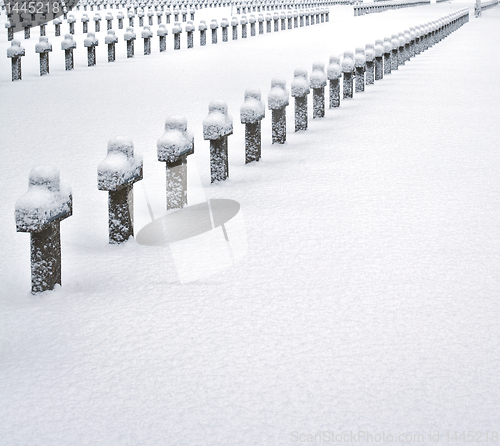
[(369, 296)]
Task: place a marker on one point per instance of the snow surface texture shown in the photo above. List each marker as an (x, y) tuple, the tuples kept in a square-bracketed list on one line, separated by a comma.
[(43, 45), (112, 38), (300, 83), (218, 123), (46, 200), (253, 109), (90, 40), (368, 299), (120, 167), (68, 43), (318, 76), (176, 141), (15, 49), (278, 97)]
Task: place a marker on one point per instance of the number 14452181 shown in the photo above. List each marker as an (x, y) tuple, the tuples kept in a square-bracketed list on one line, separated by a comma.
[(32, 7), (472, 437)]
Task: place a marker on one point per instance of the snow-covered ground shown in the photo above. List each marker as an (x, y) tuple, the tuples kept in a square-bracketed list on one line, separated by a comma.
[(368, 297)]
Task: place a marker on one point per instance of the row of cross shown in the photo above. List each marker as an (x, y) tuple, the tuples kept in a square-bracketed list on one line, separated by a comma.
[(48, 201), (44, 47)]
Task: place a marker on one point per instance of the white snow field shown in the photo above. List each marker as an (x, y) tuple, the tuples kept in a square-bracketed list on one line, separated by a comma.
[(367, 301)]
